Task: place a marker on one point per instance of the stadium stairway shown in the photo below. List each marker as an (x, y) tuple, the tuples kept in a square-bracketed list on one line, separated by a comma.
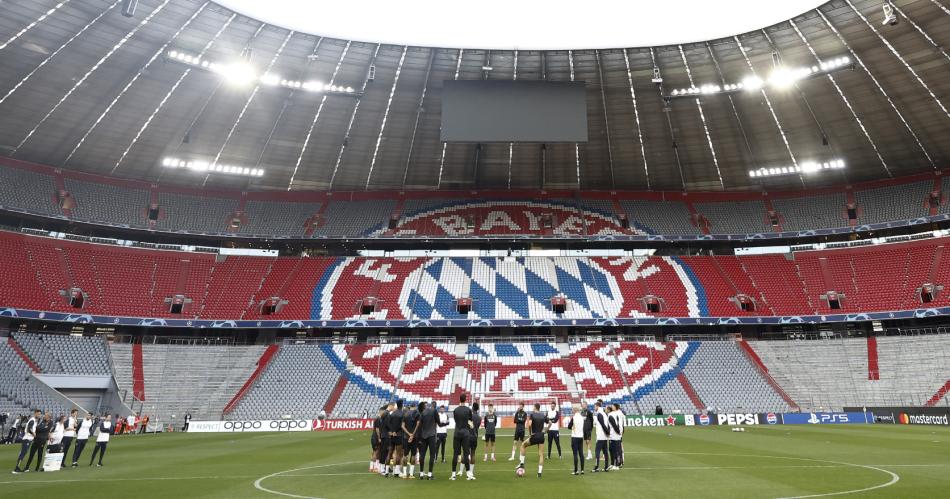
[(138, 373), (262, 363), (763, 370), (941, 393), (23, 356), (334, 397), (565, 350), (874, 372), (690, 391)]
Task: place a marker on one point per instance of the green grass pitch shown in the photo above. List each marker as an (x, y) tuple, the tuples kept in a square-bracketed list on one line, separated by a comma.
[(762, 462)]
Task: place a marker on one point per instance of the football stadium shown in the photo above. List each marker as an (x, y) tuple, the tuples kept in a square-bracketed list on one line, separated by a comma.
[(423, 249)]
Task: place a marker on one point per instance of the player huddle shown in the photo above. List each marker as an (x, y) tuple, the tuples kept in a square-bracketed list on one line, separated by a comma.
[(403, 437)]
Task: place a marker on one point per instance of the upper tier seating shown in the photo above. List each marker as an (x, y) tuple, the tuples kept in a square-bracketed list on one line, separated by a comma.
[(107, 203), (812, 212), (355, 218), (661, 217), (38, 272), (65, 354), (30, 191), (181, 212), (268, 217), (490, 213), (894, 202), (735, 217)]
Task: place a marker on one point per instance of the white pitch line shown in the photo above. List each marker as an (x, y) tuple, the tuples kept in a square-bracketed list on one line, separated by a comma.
[(137, 479), (894, 477), (649, 468), (258, 486)]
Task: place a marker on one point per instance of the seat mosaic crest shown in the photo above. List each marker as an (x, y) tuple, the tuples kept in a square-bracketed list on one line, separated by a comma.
[(420, 289)]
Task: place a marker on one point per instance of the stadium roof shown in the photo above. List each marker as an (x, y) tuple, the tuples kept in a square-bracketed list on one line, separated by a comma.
[(83, 87), (524, 24)]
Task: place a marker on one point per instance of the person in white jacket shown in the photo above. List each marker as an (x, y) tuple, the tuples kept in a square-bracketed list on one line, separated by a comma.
[(106, 428), (602, 430), (69, 434), (82, 436), (576, 424), (616, 436), (56, 436)]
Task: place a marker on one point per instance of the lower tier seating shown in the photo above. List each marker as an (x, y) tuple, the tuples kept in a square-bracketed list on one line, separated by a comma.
[(349, 380), (64, 354), (186, 379)]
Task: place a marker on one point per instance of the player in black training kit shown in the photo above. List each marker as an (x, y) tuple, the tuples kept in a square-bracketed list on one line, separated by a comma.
[(396, 441), (374, 441), (491, 422), (539, 422), (410, 428), (428, 442), (385, 442), (476, 424), (461, 443), (520, 418)]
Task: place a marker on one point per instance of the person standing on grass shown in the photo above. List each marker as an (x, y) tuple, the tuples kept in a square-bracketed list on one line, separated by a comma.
[(491, 422), (520, 418), (429, 421), (554, 429), (539, 422), (29, 434), (143, 425), (11, 435), (106, 428), (616, 438), (602, 429), (442, 432), (576, 425), (43, 428), (385, 442), (56, 436), (374, 441), (410, 428), (69, 434), (588, 429), (82, 436), (473, 445), (461, 442), (395, 438)]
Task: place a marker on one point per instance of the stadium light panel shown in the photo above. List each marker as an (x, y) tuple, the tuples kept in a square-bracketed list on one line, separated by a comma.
[(805, 167), (241, 73), (237, 73), (781, 78), (202, 166)]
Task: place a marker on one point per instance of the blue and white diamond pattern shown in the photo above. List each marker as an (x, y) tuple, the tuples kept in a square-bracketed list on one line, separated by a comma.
[(510, 288)]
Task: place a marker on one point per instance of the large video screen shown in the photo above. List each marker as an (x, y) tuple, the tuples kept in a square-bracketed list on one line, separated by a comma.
[(513, 111)]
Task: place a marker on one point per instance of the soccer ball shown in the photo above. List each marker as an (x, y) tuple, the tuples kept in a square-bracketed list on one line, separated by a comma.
[(519, 472)]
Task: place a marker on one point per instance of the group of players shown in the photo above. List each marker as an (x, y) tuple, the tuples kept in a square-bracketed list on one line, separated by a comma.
[(402, 438)]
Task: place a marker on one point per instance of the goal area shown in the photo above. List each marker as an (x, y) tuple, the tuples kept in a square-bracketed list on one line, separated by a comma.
[(506, 403)]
